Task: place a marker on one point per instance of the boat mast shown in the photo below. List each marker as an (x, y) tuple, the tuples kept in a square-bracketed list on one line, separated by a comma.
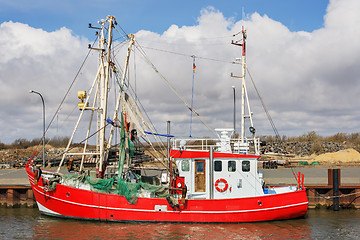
[(104, 90), (243, 69), (242, 77), (121, 93)]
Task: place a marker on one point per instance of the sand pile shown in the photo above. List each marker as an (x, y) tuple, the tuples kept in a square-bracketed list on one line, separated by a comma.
[(343, 156)]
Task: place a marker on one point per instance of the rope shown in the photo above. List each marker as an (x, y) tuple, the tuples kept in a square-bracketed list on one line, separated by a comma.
[(71, 85), (78, 144), (174, 90), (188, 55), (66, 95), (152, 146), (132, 92), (331, 197), (269, 117), (265, 109)]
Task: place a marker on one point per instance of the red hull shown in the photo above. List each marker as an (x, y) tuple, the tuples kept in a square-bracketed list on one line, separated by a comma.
[(77, 203)]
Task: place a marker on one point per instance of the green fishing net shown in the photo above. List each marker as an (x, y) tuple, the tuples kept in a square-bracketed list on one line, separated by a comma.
[(129, 189)]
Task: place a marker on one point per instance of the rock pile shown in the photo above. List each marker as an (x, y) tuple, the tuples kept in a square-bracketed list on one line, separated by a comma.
[(302, 148), (19, 157)]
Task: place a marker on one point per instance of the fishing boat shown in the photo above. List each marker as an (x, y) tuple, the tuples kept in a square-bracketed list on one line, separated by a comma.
[(205, 180)]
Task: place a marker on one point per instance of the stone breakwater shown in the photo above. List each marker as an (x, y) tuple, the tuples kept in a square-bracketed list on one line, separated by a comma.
[(303, 148), (19, 157)]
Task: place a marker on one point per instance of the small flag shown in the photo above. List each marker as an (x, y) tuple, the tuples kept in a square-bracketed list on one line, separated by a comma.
[(194, 67)]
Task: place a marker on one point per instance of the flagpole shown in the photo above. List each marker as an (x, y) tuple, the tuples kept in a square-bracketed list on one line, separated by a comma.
[(192, 92)]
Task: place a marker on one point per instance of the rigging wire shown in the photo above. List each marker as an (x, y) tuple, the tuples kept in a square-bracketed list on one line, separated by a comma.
[(188, 55), (269, 117), (78, 144), (160, 152), (174, 89), (130, 91), (190, 43), (137, 101), (56, 114), (71, 85), (265, 109)]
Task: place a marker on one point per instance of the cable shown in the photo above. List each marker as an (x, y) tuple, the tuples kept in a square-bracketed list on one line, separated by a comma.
[(188, 55), (66, 94), (265, 109), (173, 89)]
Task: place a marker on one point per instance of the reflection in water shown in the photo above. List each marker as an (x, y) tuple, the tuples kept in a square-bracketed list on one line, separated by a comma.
[(66, 229), (319, 224)]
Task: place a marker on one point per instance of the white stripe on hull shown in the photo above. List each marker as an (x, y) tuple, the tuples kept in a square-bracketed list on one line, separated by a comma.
[(152, 210)]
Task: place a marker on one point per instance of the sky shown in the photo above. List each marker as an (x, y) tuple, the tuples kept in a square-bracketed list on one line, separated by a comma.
[(303, 56)]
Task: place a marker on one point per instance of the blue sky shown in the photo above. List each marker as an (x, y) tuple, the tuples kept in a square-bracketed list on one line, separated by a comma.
[(303, 55), (156, 15)]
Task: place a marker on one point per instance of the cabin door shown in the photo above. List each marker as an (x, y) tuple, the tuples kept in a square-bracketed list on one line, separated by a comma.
[(200, 176)]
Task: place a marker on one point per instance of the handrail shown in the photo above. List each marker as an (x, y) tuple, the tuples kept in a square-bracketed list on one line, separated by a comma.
[(251, 144)]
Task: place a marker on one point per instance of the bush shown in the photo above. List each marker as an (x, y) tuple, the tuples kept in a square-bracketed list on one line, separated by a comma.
[(316, 147)]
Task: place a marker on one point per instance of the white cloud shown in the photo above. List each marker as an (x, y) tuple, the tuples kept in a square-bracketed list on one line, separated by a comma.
[(308, 80), (34, 59)]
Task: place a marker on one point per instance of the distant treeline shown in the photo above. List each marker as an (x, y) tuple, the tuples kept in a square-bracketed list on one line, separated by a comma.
[(353, 138), (317, 142), (22, 143)]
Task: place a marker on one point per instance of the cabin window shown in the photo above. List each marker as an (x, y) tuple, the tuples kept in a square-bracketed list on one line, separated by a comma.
[(231, 166), (185, 166), (218, 166), (200, 167), (246, 166)]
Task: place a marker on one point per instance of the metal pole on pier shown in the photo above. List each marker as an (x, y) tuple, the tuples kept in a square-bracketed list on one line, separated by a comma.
[(168, 149), (336, 183), (234, 111), (43, 138)]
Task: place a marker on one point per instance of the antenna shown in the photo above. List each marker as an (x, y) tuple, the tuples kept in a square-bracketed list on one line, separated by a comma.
[(243, 16), (192, 92)]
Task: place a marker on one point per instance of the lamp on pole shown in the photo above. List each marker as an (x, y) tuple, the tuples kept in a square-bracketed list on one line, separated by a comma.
[(234, 111), (42, 99)]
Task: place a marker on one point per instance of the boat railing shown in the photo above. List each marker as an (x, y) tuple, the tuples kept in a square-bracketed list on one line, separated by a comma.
[(233, 145)]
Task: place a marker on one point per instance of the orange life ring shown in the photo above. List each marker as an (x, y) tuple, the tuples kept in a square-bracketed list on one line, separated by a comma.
[(217, 185)]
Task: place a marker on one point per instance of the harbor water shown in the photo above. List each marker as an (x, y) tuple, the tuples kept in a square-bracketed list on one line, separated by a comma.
[(24, 223)]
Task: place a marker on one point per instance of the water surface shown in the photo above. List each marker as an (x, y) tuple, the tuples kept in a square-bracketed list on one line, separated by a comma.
[(23, 223)]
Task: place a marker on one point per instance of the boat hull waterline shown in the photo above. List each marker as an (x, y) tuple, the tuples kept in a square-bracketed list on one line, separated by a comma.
[(70, 202)]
